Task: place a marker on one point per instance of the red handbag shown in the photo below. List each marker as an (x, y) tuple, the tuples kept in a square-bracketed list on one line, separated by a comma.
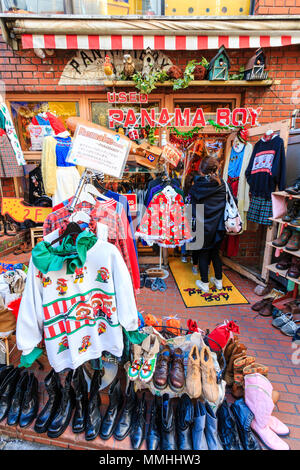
[(221, 335)]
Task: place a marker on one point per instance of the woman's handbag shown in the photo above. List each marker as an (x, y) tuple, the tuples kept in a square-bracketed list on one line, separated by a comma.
[(232, 218)]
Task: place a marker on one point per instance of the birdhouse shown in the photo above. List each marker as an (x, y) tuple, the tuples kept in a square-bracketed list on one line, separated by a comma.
[(148, 62), (255, 68), (219, 66)]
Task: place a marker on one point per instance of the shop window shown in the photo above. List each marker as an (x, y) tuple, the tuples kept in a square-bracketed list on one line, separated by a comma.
[(23, 113), (131, 7)]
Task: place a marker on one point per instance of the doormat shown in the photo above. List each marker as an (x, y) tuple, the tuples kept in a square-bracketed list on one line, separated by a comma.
[(192, 296)]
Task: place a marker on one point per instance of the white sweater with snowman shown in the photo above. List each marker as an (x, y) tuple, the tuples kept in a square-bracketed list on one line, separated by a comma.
[(79, 315)]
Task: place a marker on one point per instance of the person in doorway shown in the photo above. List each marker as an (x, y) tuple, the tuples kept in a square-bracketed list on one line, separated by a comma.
[(210, 190)]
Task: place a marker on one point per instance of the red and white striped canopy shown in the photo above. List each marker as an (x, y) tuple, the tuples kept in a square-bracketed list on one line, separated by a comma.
[(163, 43)]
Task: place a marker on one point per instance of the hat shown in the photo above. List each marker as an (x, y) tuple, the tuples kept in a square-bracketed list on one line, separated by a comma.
[(56, 124)]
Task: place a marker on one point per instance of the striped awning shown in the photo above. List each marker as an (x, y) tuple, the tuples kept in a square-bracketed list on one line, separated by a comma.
[(163, 43)]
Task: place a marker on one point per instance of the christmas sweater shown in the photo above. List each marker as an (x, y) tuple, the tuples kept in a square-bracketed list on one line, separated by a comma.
[(78, 315)]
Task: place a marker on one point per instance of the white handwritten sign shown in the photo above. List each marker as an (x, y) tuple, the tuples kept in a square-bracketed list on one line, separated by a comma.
[(99, 150)]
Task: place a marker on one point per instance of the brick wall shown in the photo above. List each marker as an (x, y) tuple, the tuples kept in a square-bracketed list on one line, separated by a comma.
[(277, 7), (23, 72)]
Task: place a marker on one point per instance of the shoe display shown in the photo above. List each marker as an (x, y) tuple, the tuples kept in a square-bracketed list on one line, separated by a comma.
[(160, 376), (184, 421), (193, 375), (137, 433), (210, 389), (167, 441), (124, 424), (63, 415), (176, 378), (17, 399), (30, 403), (109, 420), (153, 434), (93, 417), (150, 348), (227, 428), (283, 239), (81, 401), (54, 390), (198, 435)]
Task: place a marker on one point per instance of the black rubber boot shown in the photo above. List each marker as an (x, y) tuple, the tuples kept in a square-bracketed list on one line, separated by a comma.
[(124, 423), (93, 419), (109, 420), (153, 434), (81, 399), (137, 433), (63, 415), (54, 390)]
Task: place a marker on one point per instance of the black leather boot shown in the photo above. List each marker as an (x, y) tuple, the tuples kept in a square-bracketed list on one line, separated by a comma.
[(4, 371), (184, 421), (124, 423), (54, 390), (93, 418), (167, 441), (227, 428), (81, 397), (30, 404), (63, 415), (109, 420), (137, 433), (153, 434), (7, 390), (17, 399), (244, 416)]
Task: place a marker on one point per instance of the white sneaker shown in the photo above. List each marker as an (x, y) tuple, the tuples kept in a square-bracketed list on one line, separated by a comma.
[(218, 283), (204, 286), (195, 270)]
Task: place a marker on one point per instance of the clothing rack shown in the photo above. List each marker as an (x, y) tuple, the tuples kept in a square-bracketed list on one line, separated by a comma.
[(86, 177)]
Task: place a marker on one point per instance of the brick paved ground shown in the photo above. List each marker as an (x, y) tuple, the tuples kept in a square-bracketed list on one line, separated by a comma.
[(270, 347)]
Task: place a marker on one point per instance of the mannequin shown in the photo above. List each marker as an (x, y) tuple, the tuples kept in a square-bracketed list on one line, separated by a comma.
[(60, 178)]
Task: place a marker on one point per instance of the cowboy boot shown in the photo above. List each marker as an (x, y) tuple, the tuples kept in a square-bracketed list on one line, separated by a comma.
[(7, 390), (81, 401), (243, 417), (238, 378), (193, 375), (240, 350), (176, 377), (54, 390), (30, 403), (63, 415), (93, 418), (199, 439), (184, 421), (124, 423), (167, 440), (160, 376), (109, 420), (258, 397), (227, 428), (210, 389), (137, 432), (16, 402), (153, 435), (230, 346)]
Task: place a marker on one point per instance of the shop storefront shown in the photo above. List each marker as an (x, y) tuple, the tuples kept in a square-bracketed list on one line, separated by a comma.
[(215, 95)]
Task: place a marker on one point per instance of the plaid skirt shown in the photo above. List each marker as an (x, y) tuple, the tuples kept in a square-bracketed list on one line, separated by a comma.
[(260, 210), (8, 162)]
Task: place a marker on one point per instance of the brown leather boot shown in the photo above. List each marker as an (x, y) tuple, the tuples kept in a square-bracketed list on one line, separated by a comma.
[(160, 376), (230, 347), (240, 350), (238, 376), (193, 375), (176, 376), (210, 389)]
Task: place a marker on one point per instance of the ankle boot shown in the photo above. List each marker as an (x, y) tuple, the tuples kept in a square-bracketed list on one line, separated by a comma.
[(54, 390), (210, 389), (137, 433), (63, 415), (176, 377), (198, 435), (93, 419), (243, 418), (258, 397), (153, 435), (184, 420), (160, 376), (167, 441), (30, 403), (7, 390), (124, 423), (16, 402), (227, 428), (193, 375), (109, 420), (81, 401), (211, 429)]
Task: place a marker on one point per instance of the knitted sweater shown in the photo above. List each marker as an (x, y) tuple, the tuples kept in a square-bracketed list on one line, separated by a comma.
[(81, 314)]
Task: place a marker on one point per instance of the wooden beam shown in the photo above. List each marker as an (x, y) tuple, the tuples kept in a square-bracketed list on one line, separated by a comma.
[(224, 83), (243, 271)]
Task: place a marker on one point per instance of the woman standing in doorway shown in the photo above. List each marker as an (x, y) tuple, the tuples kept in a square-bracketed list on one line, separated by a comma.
[(210, 190)]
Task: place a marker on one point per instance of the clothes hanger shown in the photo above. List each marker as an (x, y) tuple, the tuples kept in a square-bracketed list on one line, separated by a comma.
[(72, 229), (80, 216), (84, 196), (93, 190)]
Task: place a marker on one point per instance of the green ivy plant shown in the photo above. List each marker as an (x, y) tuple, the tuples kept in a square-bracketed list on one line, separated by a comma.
[(148, 83), (239, 75), (188, 74)]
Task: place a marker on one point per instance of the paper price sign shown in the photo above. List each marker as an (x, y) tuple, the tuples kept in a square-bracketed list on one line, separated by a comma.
[(99, 150)]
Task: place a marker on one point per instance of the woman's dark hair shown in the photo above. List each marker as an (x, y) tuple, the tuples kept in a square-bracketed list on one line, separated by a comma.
[(210, 166)]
